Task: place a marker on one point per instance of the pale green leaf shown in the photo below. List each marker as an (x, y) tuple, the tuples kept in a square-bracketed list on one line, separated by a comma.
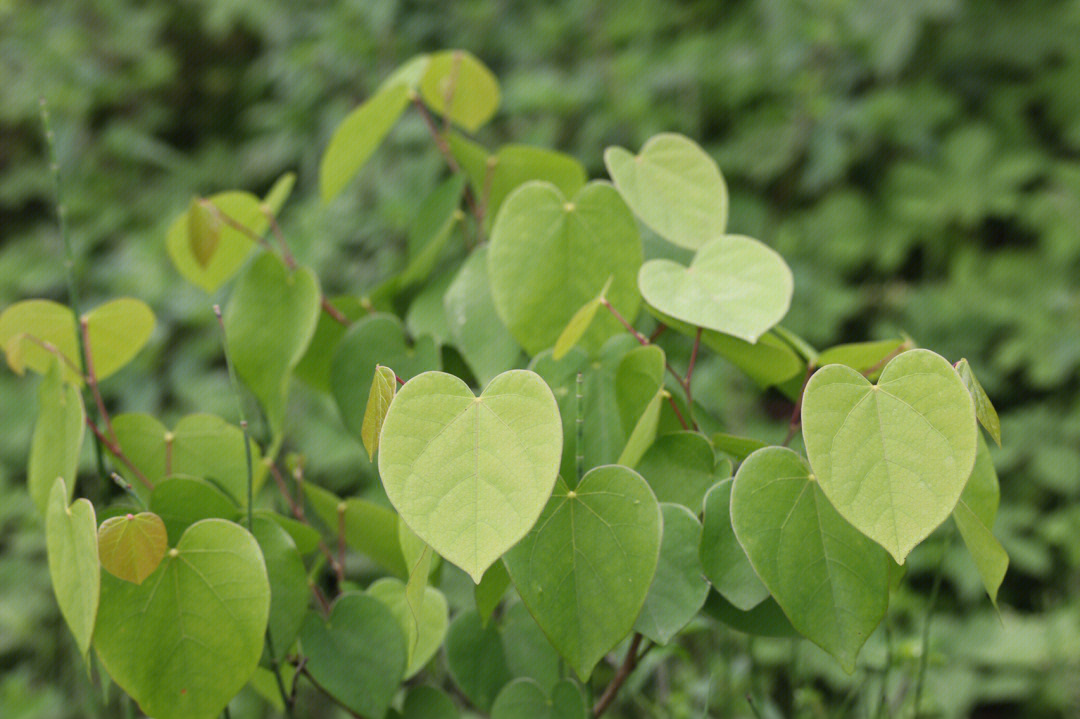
[(383, 387), (734, 285), (117, 330), (549, 255), (984, 408), (674, 187), (585, 568), (57, 439), (71, 542), (458, 86), (893, 457), (577, 326), (48, 322), (471, 474), (974, 516), (644, 432), (830, 580), (424, 629), (204, 232)]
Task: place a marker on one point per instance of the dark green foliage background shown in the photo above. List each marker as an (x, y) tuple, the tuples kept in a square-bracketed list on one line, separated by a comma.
[(917, 163)]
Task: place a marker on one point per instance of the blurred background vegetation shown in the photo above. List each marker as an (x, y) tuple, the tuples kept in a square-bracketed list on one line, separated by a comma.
[(917, 163)]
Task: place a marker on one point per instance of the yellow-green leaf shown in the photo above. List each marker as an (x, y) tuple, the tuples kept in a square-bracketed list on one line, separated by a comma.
[(131, 547)]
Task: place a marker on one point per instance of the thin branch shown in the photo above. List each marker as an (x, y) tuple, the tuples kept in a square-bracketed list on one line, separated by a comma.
[(91, 377), (796, 413), (678, 414), (643, 340), (660, 329), (629, 663), (904, 347), (341, 542), (115, 450), (448, 156)]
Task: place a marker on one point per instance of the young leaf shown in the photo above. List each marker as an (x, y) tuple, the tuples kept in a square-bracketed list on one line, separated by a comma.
[(204, 232), (974, 516), (984, 408), (674, 187), (46, 321), (187, 639), (117, 331), (723, 558), (131, 547), (475, 327), (269, 321), (58, 437), (577, 326), (734, 285), (358, 655), (357, 137), (71, 542), (424, 630), (474, 655), (830, 580), (470, 474), (679, 589), (893, 457), (376, 340), (541, 238), (458, 86), (383, 387), (585, 568)]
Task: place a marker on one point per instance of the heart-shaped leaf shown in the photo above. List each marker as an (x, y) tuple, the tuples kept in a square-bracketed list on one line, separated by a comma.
[(525, 699), (71, 542), (474, 655), (893, 457), (131, 547), (679, 588), (550, 255), (289, 591), (358, 655), (674, 187), (187, 639), (469, 474), (734, 285), (427, 702), (269, 321), (383, 387), (58, 437), (680, 468), (182, 500), (830, 580), (585, 568), (424, 632), (117, 330), (461, 88), (974, 516), (373, 341), (723, 558), (47, 322)]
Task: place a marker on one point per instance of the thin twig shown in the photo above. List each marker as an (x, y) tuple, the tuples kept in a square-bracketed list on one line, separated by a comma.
[(660, 329), (448, 156), (91, 378), (629, 663), (796, 413), (115, 450), (924, 655)]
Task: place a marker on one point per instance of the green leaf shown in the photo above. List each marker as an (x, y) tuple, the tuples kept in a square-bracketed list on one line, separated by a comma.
[(604, 438), (269, 321), (644, 432), (474, 655), (71, 542), (233, 246), (131, 547), (577, 326), (528, 651), (426, 315), (186, 640), (424, 702), (357, 137), (525, 699), (461, 88), (201, 445), (180, 501), (984, 408), (47, 321), (974, 516), (358, 655), (738, 447), (585, 568), (674, 187), (304, 536), (474, 325), (424, 631), (637, 380), (204, 232), (471, 474), (830, 580), (57, 439), (314, 366), (722, 557), (765, 620), (680, 468), (373, 341), (435, 221), (679, 589), (550, 255), (279, 192), (289, 591), (861, 356), (369, 528), (489, 592), (892, 458), (383, 387), (734, 285), (117, 330)]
